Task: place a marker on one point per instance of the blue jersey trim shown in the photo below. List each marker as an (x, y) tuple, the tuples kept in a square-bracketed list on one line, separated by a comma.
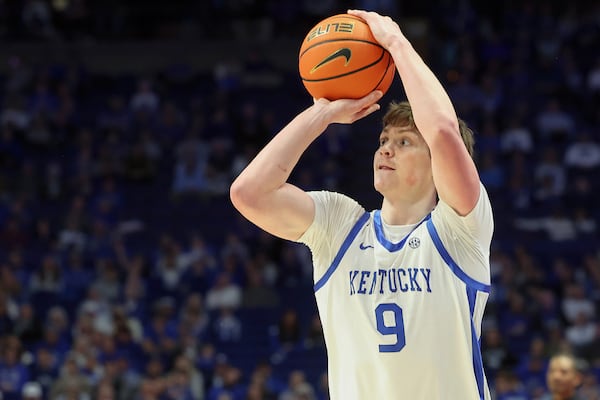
[(460, 274), (379, 233), (338, 257), (476, 345)]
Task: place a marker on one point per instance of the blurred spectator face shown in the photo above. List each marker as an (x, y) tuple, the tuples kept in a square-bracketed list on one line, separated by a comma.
[(183, 364), (45, 359), (255, 392), (154, 368), (70, 367), (562, 377), (11, 356), (105, 392)]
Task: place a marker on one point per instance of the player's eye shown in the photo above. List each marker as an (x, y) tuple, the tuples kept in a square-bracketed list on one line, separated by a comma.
[(382, 141), (404, 142)]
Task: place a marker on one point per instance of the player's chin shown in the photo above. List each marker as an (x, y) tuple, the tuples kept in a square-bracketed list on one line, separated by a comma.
[(378, 185)]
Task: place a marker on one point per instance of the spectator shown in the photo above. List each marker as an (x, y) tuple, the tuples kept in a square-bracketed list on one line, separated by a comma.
[(115, 115), (177, 386), (105, 391), (314, 336), (46, 284), (557, 227), (206, 362), (44, 369), (591, 265), (138, 166), (583, 337), (218, 166), (28, 327), (585, 224), (185, 366), (32, 391), (37, 18), (223, 294), (77, 278), (145, 98), (160, 334), (563, 377), (287, 334), (193, 317), (550, 175), (8, 315), (14, 113), (13, 373), (108, 282), (509, 387), (492, 174), (593, 78), (583, 154), (589, 389), (532, 369), (190, 176), (516, 137), (553, 123), (171, 122), (516, 323), (264, 381), (298, 388), (256, 294), (576, 303), (171, 267), (495, 353), (228, 383), (198, 277), (199, 249), (227, 326), (323, 388)]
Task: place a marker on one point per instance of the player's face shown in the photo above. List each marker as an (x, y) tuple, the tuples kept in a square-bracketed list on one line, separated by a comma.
[(402, 163), (562, 377)]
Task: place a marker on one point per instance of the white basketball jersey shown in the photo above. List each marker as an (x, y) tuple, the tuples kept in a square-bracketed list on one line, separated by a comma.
[(401, 306)]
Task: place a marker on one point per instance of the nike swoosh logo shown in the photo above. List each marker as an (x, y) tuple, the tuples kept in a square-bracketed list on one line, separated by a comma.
[(364, 246), (343, 52)]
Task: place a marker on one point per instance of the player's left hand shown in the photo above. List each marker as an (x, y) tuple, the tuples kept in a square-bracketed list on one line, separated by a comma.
[(347, 111)]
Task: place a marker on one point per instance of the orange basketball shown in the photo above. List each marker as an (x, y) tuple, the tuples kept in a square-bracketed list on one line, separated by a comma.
[(340, 58)]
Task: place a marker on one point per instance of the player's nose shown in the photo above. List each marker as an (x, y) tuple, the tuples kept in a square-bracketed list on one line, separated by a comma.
[(386, 149)]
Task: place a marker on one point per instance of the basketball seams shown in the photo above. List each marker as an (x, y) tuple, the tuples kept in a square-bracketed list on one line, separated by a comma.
[(340, 16), (312, 46), (390, 63), (349, 72)]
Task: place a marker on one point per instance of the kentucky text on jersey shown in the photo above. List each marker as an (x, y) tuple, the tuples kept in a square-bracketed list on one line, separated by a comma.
[(390, 280)]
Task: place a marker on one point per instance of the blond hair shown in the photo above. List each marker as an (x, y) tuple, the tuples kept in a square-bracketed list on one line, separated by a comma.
[(400, 114)]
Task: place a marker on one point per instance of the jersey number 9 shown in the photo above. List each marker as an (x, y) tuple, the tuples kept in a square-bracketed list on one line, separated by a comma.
[(396, 328)]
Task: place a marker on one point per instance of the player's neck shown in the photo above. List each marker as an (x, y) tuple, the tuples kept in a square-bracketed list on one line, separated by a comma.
[(404, 212)]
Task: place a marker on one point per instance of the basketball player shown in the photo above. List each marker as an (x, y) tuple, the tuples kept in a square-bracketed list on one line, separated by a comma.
[(401, 290)]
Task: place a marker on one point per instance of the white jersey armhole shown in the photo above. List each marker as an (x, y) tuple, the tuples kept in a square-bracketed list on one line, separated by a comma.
[(467, 238), (335, 215)]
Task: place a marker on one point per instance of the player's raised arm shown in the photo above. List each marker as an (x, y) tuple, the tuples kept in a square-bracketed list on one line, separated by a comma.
[(261, 192), (454, 172)]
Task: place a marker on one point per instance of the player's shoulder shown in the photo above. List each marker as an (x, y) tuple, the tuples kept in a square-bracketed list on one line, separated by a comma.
[(483, 203), (328, 199)]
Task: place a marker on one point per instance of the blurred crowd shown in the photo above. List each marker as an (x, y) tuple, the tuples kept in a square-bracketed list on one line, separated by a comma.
[(125, 274)]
